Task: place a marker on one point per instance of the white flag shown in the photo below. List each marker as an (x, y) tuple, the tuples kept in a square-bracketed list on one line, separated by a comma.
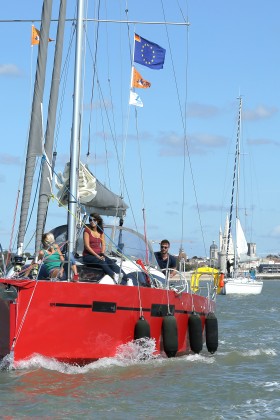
[(135, 99)]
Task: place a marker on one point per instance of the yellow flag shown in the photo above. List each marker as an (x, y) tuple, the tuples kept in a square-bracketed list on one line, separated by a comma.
[(138, 81), (35, 36)]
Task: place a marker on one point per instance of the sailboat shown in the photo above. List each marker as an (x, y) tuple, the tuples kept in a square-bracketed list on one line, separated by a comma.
[(81, 322), (233, 252)]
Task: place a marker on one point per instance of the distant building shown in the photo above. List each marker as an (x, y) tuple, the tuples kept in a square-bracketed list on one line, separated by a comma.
[(213, 255), (252, 249), (182, 254), (182, 259), (269, 268)]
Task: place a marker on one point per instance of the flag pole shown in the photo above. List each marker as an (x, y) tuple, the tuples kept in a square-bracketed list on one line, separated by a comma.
[(131, 79)]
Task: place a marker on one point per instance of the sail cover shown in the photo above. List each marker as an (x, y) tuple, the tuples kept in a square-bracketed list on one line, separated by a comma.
[(91, 193)]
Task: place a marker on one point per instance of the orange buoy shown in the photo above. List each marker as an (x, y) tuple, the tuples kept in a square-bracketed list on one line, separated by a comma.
[(221, 280)]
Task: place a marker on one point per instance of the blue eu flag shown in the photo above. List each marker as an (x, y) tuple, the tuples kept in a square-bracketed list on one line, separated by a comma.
[(148, 53)]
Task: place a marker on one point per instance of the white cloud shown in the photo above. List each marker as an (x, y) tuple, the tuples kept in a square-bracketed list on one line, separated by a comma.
[(276, 231), (196, 110), (6, 159), (172, 144), (259, 113), (260, 142), (9, 70)]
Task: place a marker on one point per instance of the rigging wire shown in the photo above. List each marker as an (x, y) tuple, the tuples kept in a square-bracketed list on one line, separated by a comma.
[(22, 165), (94, 56), (139, 148), (113, 135), (186, 146), (64, 78), (13, 228)]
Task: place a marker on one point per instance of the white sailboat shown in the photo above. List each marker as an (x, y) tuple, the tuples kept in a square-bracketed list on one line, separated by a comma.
[(233, 253)]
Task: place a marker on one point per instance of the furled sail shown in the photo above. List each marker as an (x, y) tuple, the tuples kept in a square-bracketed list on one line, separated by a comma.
[(46, 177), (91, 193), (35, 139)]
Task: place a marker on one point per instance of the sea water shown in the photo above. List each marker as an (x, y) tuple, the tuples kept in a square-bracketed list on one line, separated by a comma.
[(240, 381)]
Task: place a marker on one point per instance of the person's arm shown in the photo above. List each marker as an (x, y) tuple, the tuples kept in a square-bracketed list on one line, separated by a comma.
[(173, 266), (41, 256), (59, 252), (103, 243), (61, 257), (88, 248), (34, 264)]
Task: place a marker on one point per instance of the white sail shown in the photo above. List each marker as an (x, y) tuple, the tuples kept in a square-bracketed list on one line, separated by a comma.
[(241, 243), (220, 239)]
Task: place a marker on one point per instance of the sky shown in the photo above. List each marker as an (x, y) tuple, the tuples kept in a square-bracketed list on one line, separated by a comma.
[(229, 49)]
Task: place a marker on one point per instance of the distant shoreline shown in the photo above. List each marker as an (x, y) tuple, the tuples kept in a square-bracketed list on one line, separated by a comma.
[(259, 276), (268, 276)]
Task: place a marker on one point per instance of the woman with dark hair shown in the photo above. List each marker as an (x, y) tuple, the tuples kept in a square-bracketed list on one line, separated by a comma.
[(94, 248)]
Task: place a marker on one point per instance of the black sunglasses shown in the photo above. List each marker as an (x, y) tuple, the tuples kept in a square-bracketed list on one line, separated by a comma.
[(91, 219), (164, 246)]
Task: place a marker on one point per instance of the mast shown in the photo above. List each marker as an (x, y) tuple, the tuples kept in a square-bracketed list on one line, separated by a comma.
[(75, 136), (235, 182)]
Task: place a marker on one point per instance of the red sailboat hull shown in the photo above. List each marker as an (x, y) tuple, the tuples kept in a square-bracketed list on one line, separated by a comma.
[(82, 322)]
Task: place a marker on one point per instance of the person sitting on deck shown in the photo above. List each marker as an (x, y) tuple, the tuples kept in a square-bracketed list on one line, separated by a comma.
[(55, 264), (94, 249), (165, 260)]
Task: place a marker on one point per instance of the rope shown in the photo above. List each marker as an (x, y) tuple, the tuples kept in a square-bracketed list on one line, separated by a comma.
[(13, 228), (23, 318)]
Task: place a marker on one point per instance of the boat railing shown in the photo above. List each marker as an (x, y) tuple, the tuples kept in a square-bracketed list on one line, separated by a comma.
[(178, 282)]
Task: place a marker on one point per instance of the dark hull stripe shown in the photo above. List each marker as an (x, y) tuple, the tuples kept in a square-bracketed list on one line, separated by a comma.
[(71, 305), (119, 308)]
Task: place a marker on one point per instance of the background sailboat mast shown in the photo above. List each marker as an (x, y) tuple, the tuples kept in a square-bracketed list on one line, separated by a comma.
[(237, 181), (75, 139), (234, 181)]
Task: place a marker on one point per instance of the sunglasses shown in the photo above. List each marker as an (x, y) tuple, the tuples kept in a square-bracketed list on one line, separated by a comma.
[(164, 246), (91, 219)]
